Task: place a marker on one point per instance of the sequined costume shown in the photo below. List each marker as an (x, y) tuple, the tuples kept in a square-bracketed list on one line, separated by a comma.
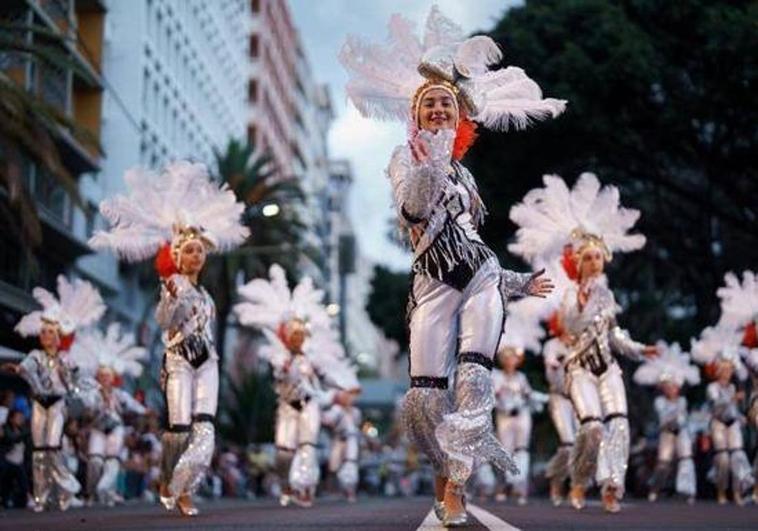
[(595, 384), (189, 380), (514, 400), (298, 422), (751, 362), (456, 311), (674, 447), (730, 460), (561, 410), (106, 442), (51, 379), (346, 441)]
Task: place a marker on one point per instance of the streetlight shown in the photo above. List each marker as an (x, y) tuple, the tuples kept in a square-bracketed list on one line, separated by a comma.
[(333, 309), (270, 210)]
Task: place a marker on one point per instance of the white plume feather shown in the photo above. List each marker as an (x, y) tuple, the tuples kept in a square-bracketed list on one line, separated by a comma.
[(717, 343), (113, 349), (548, 216), (77, 305), (182, 196), (671, 363), (739, 300)]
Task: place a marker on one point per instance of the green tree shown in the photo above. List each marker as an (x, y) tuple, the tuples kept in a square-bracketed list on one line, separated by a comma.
[(387, 302), (247, 415), (274, 238), (662, 103)]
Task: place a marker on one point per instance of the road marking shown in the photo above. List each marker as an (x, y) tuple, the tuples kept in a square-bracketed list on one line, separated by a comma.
[(431, 523), (489, 520), (486, 518)]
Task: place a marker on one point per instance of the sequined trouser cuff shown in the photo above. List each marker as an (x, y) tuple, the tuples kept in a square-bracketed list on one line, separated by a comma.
[(614, 455), (466, 435), (194, 461), (423, 410), (304, 472), (173, 445), (40, 477), (558, 467), (686, 481), (584, 455)]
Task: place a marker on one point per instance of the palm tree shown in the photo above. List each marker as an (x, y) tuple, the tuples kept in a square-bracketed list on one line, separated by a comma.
[(274, 238), (29, 126)]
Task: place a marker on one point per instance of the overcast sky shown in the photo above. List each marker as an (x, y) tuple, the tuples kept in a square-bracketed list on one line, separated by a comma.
[(323, 25)]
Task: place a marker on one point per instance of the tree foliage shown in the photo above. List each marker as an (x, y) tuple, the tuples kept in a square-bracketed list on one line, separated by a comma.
[(662, 103)]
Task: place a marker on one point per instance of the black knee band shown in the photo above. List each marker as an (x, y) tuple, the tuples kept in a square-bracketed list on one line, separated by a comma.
[(566, 444), (46, 448), (285, 449), (476, 357), (433, 382), (585, 420), (179, 428), (203, 417), (612, 416)]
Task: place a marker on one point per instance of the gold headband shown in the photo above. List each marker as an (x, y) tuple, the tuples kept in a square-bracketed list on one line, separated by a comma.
[(590, 241), (184, 236), (430, 85)]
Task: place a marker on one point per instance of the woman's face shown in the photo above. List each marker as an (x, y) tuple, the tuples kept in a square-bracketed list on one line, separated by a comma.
[(437, 110), (511, 362), (48, 337), (591, 263), (192, 257), (725, 370), (105, 377), (296, 339), (670, 390)]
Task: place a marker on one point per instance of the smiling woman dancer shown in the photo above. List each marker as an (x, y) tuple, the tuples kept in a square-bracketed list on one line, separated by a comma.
[(182, 215), (456, 307)]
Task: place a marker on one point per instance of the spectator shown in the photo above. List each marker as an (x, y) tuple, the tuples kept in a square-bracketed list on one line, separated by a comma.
[(14, 441)]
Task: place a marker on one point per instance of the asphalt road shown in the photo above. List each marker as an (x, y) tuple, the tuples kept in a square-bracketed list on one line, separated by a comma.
[(392, 514)]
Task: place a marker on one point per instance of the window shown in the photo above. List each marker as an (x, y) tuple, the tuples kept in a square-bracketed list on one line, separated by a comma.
[(254, 46), (252, 91)]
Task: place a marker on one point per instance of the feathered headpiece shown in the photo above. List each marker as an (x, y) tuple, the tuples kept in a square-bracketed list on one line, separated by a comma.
[(552, 218), (78, 304), (179, 205), (671, 365), (739, 305), (522, 326), (269, 303), (387, 81), (719, 343), (326, 352), (112, 349)]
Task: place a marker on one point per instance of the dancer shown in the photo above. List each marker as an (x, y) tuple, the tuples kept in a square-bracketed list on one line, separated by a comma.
[(181, 215), (345, 422), (739, 306), (585, 226), (514, 398), (440, 86), (53, 378), (718, 350), (554, 352), (669, 372), (287, 319), (108, 356)]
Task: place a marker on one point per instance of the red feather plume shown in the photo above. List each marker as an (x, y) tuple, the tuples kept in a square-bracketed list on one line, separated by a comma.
[(750, 338), (164, 262), (465, 135), (568, 262)]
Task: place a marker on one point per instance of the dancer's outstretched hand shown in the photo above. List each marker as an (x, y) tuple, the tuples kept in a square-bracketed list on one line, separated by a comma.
[(419, 149), (539, 286)]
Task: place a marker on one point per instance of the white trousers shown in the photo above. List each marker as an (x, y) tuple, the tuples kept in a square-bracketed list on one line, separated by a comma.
[(730, 459), (602, 446), (675, 447), (297, 435), (190, 391), (514, 433)]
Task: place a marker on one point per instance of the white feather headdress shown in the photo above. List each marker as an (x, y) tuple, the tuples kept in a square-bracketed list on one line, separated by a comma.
[(523, 330), (160, 208), (385, 77), (327, 354), (268, 303), (78, 304), (739, 300), (112, 349), (554, 216), (671, 364), (720, 343)]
